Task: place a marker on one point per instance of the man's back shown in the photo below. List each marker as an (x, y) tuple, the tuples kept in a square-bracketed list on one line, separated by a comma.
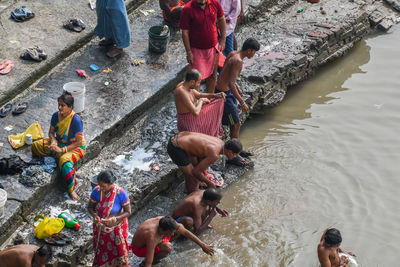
[(183, 95), (199, 145), (230, 71), (18, 256), (328, 256), (145, 232), (189, 205)]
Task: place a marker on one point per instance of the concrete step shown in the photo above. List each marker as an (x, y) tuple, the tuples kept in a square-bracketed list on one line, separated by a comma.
[(46, 31)]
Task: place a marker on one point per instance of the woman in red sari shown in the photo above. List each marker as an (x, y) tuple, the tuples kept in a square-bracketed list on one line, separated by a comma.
[(110, 207)]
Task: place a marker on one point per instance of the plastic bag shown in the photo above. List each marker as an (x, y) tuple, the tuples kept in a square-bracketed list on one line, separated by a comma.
[(17, 141), (48, 227)]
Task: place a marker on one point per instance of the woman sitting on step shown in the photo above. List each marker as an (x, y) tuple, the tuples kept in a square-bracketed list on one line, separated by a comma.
[(65, 142)]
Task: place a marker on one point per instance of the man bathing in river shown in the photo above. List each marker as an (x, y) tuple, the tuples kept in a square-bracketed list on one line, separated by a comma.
[(195, 152), (198, 209), (152, 239), (195, 111), (329, 249), (227, 83), (25, 255)]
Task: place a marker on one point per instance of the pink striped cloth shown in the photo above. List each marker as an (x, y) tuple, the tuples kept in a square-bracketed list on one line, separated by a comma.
[(208, 121), (204, 61)]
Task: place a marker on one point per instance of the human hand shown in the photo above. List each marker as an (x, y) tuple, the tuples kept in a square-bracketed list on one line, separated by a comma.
[(205, 100), (344, 260), (221, 45), (213, 212), (189, 58), (241, 15), (109, 221), (220, 95), (351, 254), (56, 149), (96, 218), (224, 213), (245, 108), (208, 249)]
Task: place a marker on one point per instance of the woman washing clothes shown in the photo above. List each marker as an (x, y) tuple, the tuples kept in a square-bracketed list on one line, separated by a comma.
[(110, 207), (65, 141)]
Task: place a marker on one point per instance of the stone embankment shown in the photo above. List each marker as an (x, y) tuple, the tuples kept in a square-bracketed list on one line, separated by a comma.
[(135, 114)]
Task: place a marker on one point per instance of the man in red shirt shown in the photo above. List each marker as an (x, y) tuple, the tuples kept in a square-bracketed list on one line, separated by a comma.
[(200, 37)]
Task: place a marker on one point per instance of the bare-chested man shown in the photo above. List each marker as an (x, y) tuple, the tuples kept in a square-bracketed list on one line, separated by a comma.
[(227, 83), (329, 249), (195, 152), (25, 256), (151, 239), (172, 10), (187, 97), (198, 209)]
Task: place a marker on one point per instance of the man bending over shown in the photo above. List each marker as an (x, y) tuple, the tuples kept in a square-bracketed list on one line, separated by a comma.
[(198, 209), (195, 152), (25, 255), (152, 239)]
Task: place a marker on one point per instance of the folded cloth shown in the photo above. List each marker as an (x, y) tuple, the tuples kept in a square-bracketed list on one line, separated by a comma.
[(208, 122), (17, 141)]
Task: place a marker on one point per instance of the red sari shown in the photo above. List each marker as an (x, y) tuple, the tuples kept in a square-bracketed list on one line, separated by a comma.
[(110, 243)]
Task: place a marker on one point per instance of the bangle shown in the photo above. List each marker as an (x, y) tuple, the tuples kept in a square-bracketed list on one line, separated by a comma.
[(66, 149), (114, 219)]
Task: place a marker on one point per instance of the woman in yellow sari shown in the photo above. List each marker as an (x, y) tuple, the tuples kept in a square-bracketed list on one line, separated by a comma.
[(65, 142)]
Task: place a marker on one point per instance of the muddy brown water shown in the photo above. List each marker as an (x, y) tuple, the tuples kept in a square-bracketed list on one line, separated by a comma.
[(326, 157)]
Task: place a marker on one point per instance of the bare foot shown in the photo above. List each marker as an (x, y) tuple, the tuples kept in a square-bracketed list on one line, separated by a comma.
[(107, 42), (74, 196), (114, 52)]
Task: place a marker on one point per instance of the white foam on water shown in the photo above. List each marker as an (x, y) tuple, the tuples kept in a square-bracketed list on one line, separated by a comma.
[(138, 160)]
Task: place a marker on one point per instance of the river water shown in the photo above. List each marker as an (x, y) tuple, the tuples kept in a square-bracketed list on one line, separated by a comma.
[(326, 157)]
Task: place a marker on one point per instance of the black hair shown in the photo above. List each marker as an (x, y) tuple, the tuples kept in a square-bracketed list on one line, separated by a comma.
[(67, 98), (192, 75), (212, 194), (167, 223), (333, 237), (45, 251), (234, 145), (106, 177), (252, 44)]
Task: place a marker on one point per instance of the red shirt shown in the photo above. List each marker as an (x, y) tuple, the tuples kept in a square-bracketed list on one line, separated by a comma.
[(201, 23)]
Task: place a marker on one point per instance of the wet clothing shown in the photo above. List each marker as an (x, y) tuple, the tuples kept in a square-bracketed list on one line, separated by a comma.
[(141, 252), (64, 131), (110, 243), (207, 122), (121, 199), (204, 61), (112, 22), (177, 154), (231, 113), (201, 24)]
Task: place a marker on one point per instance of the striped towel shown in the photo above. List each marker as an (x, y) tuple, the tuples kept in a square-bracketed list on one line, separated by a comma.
[(208, 121)]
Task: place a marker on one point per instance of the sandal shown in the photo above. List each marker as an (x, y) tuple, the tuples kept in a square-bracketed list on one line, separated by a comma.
[(6, 66), (21, 14), (57, 239), (75, 25), (4, 110), (238, 161), (114, 52), (246, 153), (20, 108)]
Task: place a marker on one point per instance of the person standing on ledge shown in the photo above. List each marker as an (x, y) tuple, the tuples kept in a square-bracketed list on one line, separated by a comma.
[(329, 249), (112, 25), (227, 83), (25, 255), (199, 34)]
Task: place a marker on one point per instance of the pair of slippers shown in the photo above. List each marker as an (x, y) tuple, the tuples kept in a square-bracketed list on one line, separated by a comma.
[(6, 66), (34, 53), (75, 25), (59, 239), (20, 108), (242, 159), (21, 14)]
